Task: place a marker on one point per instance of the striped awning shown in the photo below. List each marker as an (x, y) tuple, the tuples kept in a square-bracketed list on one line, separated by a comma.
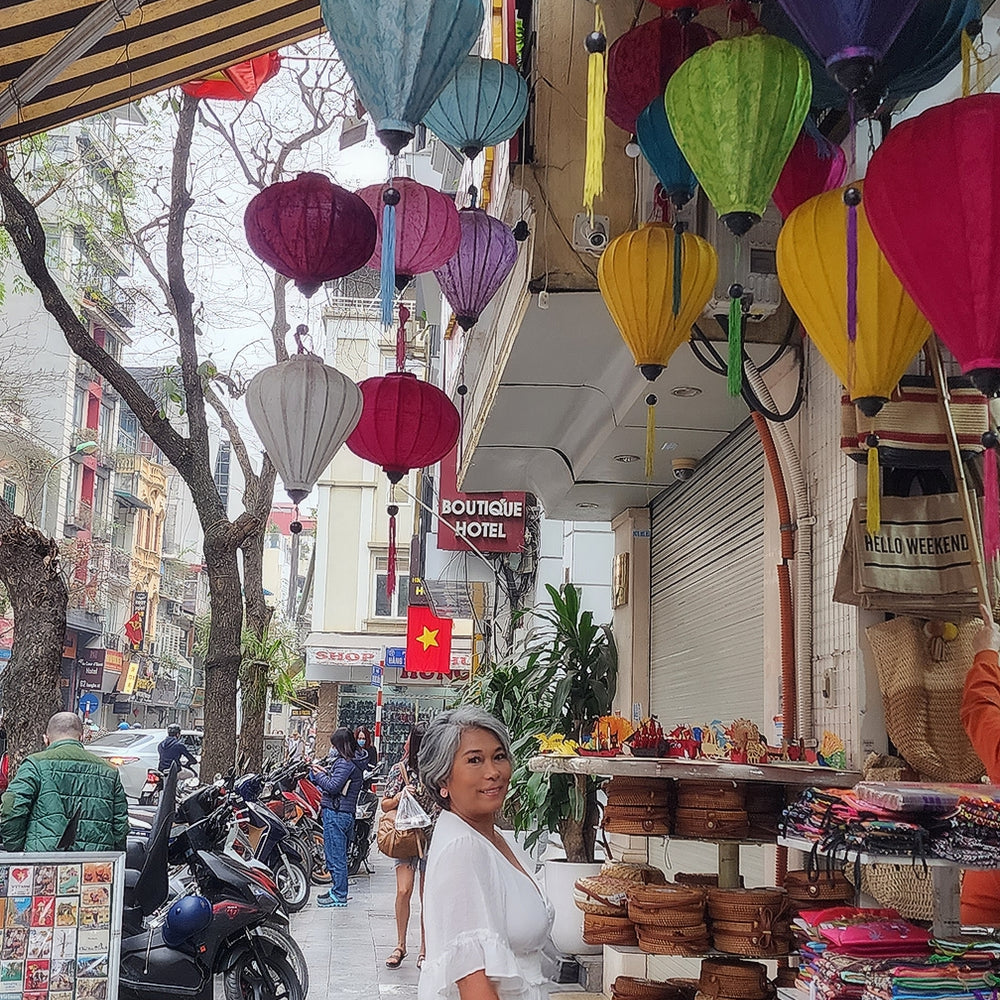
[(163, 43)]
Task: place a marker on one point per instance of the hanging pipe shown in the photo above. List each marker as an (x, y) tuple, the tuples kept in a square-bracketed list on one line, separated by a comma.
[(804, 521)]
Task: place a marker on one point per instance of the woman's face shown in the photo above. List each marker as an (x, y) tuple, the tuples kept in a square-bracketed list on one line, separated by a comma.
[(479, 776)]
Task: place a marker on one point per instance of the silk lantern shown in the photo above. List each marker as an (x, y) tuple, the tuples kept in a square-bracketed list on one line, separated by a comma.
[(236, 83), (659, 147), (483, 104), (486, 254), (642, 60), (303, 411), (310, 230), (400, 54), (405, 424), (850, 36), (814, 165), (655, 283), (736, 109), (418, 230), (851, 303), (933, 199)]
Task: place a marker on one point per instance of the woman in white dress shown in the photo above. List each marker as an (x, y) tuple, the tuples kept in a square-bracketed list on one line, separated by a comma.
[(485, 917)]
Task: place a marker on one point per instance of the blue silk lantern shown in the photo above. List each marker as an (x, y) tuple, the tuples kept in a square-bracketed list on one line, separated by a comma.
[(400, 54), (851, 36), (659, 147), (484, 103), (927, 48)]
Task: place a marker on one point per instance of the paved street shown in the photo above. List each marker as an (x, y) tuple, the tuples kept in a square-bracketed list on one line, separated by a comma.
[(347, 948)]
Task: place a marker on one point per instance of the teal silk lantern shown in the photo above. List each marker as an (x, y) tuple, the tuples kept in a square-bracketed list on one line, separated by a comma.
[(400, 54), (659, 147), (483, 104), (736, 109)]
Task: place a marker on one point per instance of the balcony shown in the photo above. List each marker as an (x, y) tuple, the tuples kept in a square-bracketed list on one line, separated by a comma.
[(103, 292), (119, 563)]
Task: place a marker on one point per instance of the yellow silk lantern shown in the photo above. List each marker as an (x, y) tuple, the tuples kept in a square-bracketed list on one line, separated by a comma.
[(838, 281), (655, 282)]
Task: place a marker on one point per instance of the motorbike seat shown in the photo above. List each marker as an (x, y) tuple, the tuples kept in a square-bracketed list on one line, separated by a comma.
[(135, 854)]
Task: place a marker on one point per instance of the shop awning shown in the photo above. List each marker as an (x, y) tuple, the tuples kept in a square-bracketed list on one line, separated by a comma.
[(163, 43)]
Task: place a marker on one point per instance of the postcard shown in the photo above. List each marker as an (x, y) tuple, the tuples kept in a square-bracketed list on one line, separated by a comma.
[(36, 974), (40, 942), (68, 880), (62, 975), (18, 912), (43, 911), (92, 917), (11, 973), (45, 880), (91, 968), (67, 909), (15, 943), (64, 942), (19, 881), (92, 989), (93, 942), (95, 895), (97, 872)]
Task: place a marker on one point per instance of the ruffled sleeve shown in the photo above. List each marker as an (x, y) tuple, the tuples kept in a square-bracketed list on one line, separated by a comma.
[(465, 925)]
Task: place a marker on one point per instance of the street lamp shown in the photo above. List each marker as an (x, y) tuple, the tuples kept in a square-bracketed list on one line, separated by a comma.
[(83, 448)]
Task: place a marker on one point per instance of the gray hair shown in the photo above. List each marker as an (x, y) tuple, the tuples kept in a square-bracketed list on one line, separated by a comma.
[(440, 744)]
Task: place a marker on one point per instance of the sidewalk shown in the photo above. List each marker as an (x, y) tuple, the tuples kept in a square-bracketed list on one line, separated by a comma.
[(346, 948)]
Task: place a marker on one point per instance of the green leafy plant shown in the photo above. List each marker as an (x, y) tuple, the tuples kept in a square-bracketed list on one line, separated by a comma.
[(560, 680)]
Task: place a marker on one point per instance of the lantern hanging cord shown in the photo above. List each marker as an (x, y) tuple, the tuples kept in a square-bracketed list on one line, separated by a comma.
[(300, 335)]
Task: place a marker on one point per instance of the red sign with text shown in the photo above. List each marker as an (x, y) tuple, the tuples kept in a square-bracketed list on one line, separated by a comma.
[(492, 522)]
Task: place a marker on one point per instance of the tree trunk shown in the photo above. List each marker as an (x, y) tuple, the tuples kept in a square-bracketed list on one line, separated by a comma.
[(579, 835), (29, 568), (254, 674), (223, 660)]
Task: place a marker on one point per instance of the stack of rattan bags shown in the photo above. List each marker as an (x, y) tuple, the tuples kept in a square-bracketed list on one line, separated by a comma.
[(817, 890), (639, 807), (629, 988), (750, 922), (605, 910), (711, 809), (669, 919), (729, 979)]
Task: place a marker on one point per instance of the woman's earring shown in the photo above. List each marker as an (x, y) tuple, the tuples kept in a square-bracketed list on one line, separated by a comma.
[(444, 793)]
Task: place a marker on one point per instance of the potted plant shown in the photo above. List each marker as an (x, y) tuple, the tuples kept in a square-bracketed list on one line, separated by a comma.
[(560, 680)]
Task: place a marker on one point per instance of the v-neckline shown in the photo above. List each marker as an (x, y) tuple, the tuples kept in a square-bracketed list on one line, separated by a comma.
[(516, 866)]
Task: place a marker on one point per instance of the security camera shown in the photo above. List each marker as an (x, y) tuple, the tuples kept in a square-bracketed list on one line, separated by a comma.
[(683, 468), (597, 239), (590, 235)]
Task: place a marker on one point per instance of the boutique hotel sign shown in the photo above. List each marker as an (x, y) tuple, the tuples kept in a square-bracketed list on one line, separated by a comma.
[(492, 522)]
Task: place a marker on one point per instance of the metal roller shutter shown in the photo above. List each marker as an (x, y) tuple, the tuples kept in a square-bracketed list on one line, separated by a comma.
[(707, 589)]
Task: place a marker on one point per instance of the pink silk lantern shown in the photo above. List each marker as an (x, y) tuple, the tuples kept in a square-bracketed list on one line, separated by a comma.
[(427, 227), (814, 165)]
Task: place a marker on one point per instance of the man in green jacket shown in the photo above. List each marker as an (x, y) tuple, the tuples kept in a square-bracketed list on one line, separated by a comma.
[(52, 785)]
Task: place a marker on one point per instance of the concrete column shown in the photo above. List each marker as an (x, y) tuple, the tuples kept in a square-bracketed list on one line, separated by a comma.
[(631, 618), (326, 715)]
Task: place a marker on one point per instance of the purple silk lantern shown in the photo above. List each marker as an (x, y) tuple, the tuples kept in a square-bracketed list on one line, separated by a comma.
[(486, 254), (850, 36)]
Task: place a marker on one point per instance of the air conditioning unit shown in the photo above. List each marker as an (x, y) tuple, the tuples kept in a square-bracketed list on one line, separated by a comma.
[(447, 164)]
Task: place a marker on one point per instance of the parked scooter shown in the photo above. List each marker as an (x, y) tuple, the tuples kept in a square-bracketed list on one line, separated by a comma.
[(365, 824), (231, 924)]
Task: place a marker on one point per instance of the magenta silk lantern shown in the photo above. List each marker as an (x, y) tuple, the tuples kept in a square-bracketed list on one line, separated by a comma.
[(486, 254), (427, 227), (814, 165), (310, 230)]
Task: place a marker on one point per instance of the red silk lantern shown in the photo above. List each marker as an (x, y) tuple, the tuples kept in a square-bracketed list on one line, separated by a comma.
[(642, 60), (686, 8), (236, 83), (310, 230), (405, 424), (427, 227), (814, 165), (932, 194)]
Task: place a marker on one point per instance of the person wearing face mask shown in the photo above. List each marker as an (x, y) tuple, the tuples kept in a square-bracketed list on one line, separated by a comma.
[(367, 744)]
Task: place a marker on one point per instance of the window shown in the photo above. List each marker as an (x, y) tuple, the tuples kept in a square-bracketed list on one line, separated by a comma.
[(9, 493), (222, 459), (396, 607)]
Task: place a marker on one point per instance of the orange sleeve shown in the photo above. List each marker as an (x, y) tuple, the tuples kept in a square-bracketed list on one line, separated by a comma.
[(981, 710)]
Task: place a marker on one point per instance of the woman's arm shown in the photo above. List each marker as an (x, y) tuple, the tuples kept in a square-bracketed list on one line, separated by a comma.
[(981, 710), (476, 986)]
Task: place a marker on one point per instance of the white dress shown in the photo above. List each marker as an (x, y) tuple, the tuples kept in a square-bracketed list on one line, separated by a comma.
[(480, 912)]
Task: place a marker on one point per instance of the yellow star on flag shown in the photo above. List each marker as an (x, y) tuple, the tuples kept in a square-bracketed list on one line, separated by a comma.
[(428, 638)]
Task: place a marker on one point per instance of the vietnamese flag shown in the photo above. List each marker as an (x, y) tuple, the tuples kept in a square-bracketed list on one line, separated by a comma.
[(428, 641)]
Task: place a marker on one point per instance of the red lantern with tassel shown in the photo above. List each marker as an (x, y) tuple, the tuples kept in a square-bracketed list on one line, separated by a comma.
[(814, 165), (236, 83), (405, 424), (310, 230)]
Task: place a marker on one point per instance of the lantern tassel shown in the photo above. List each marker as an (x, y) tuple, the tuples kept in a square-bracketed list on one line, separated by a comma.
[(597, 87), (735, 364), (852, 272), (390, 561), (966, 63), (678, 248), (404, 315), (388, 263), (650, 434), (991, 505), (873, 523)]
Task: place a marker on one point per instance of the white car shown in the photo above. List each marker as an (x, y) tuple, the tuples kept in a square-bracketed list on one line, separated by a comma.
[(134, 752)]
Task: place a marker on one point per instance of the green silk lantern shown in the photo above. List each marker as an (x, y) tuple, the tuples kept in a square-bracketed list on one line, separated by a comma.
[(736, 109)]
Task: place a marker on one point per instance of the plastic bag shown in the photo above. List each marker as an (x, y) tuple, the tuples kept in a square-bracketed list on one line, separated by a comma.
[(409, 814)]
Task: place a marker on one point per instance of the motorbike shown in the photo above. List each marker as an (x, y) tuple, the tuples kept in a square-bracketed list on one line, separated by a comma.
[(290, 794), (228, 922), (149, 794), (365, 824)]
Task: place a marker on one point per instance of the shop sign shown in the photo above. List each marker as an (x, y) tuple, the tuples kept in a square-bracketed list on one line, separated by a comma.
[(302, 713), (184, 698), (198, 701), (135, 627), (113, 660), (492, 522), (328, 654), (91, 676), (461, 670), (122, 708), (131, 676)]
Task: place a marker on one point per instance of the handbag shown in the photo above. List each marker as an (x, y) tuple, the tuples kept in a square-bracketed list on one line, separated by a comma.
[(399, 844)]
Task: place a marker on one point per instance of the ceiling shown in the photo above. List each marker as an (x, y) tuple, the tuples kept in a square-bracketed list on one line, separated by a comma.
[(569, 399)]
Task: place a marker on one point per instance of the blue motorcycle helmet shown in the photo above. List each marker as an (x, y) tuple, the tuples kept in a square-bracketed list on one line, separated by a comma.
[(249, 787), (188, 916)]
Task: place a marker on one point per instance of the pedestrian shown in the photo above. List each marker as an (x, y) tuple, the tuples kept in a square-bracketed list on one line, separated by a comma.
[(294, 747), (367, 744), (61, 783), (485, 917), (980, 714), (404, 774), (340, 780), (174, 750)]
